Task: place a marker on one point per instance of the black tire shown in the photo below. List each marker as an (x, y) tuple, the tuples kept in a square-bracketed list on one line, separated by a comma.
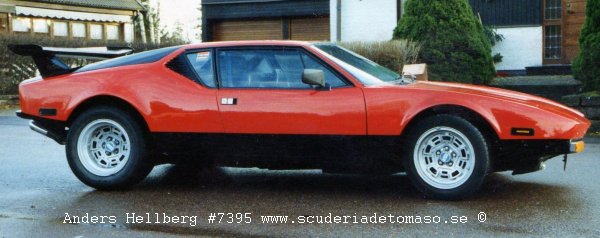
[(136, 167), (471, 183)]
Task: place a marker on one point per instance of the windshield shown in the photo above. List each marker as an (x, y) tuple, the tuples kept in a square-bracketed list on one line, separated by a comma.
[(365, 70)]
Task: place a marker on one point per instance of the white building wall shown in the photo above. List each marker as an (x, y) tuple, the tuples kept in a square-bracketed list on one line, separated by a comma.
[(521, 47), (364, 20), (375, 20)]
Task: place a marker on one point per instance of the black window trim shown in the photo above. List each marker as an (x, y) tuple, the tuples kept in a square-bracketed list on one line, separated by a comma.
[(141, 61), (348, 83)]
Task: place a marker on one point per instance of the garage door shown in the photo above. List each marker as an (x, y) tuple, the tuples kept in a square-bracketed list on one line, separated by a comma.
[(270, 29), (310, 29), (299, 28)]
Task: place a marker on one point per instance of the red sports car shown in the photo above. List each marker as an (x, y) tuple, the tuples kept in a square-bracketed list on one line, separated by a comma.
[(284, 105)]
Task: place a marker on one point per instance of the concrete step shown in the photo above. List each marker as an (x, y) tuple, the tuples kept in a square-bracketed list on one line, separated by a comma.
[(562, 69)]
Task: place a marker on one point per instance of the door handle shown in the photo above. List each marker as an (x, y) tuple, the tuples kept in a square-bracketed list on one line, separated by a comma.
[(228, 101)]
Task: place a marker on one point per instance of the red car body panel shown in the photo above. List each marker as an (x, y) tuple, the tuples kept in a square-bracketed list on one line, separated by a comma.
[(299, 112), (169, 102), (499, 107)]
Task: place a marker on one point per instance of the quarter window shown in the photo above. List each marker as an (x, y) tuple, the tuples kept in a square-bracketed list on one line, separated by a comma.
[(202, 64), (269, 69)]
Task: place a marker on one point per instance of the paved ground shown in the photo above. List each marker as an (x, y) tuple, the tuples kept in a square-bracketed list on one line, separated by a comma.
[(37, 189)]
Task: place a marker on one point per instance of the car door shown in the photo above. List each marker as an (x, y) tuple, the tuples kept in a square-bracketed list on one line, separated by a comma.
[(261, 92)]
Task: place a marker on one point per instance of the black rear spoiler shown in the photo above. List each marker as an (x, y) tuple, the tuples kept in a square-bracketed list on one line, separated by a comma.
[(47, 62)]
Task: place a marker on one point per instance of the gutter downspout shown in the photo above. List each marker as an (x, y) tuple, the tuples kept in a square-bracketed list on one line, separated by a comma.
[(338, 30)]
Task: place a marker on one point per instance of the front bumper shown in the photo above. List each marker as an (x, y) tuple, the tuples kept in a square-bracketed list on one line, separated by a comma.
[(576, 146), (524, 156)]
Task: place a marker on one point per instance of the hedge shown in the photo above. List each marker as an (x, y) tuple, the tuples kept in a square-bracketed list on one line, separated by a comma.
[(586, 66), (15, 68), (390, 54), (455, 46)]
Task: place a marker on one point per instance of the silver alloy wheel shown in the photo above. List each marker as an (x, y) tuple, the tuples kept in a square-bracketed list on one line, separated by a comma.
[(444, 157), (103, 147)]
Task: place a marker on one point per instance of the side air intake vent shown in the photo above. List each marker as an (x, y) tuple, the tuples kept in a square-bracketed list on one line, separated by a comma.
[(180, 66)]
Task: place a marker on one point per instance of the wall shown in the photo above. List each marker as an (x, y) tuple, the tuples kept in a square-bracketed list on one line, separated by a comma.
[(508, 12), (375, 20), (590, 106), (364, 20), (521, 47)]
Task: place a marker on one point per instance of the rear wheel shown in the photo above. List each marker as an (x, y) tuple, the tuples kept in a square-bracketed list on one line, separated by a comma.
[(106, 149), (446, 157)]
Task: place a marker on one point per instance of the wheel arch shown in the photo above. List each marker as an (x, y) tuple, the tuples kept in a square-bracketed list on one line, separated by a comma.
[(108, 100), (478, 120)]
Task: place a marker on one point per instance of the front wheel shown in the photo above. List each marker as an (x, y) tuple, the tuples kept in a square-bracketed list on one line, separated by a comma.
[(106, 149), (447, 157)]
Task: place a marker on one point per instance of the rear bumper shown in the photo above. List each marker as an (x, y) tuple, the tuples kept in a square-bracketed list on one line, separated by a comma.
[(52, 134), (54, 130), (23, 115)]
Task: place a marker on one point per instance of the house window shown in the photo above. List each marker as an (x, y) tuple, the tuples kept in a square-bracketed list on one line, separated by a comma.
[(113, 32), (60, 28), (552, 42), (41, 26), (78, 29), (22, 24), (96, 31), (3, 22), (553, 10)]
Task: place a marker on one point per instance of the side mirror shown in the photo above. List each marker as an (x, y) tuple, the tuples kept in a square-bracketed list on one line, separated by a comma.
[(314, 77)]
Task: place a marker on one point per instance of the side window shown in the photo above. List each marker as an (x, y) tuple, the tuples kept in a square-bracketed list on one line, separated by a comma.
[(330, 77), (202, 64), (261, 69), (291, 68), (268, 69)]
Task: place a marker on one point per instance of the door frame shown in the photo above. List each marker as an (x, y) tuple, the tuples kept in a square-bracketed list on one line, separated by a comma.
[(217, 50)]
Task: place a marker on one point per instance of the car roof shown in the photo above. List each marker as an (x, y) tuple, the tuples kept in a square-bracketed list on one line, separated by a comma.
[(248, 43)]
